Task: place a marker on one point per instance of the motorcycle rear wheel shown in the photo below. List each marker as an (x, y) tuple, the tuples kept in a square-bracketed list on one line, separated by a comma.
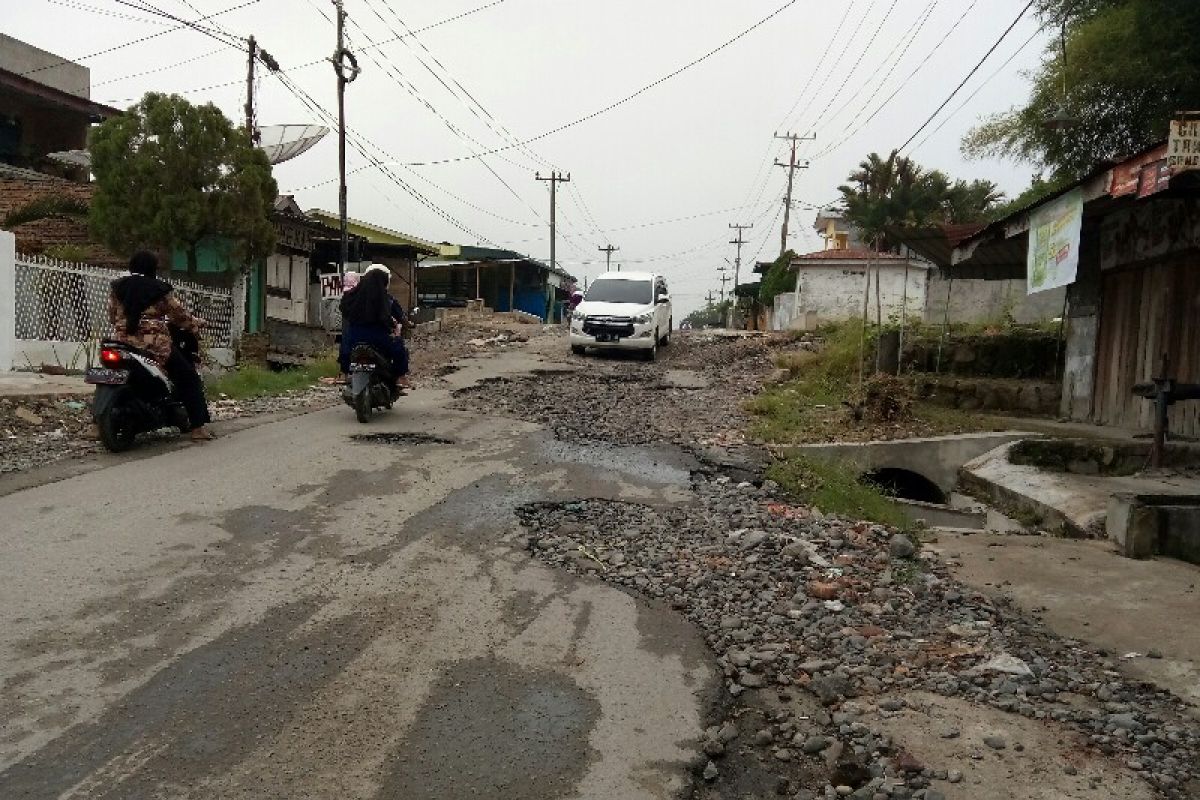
[(362, 406), (116, 431)]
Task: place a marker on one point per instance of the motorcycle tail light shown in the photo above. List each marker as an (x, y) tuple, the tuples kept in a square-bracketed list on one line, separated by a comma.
[(110, 356)]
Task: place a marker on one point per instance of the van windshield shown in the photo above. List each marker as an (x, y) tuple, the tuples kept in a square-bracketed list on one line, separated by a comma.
[(622, 291)]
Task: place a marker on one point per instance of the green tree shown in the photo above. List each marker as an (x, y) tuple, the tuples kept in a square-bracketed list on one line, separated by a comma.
[(711, 314), (169, 174), (896, 191), (780, 278), (1130, 65)]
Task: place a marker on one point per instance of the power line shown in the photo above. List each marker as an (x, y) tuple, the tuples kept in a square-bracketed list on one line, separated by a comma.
[(974, 69), (762, 175), (978, 88), (132, 42), (903, 46), (163, 68), (305, 65), (359, 143), (861, 55), (213, 33), (839, 140), (618, 103), (103, 12)]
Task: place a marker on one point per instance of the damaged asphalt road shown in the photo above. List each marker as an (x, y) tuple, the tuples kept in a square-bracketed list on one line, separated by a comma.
[(291, 612), (530, 581)]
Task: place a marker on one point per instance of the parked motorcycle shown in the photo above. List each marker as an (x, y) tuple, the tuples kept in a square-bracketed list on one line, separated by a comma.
[(133, 395)]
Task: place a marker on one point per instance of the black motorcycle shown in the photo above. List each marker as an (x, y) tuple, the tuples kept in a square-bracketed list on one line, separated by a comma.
[(133, 395), (371, 383)]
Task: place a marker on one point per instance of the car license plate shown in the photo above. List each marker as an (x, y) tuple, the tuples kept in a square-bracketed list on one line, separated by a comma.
[(362, 367), (108, 377), (606, 337)]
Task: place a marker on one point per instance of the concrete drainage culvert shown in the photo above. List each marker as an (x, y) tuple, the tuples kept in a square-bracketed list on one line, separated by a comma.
[(400, 439), (842, 645)]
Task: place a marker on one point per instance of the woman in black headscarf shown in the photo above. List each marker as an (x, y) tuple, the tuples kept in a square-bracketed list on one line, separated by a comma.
[(369, 315), (146, 314)]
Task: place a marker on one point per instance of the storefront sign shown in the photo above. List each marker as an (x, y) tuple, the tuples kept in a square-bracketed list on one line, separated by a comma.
[(1127, 176), (1053, 257), (1183, 146), (331, 286)]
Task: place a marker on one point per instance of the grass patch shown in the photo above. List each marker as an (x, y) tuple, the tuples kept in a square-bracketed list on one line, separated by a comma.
[(835, 489), (258, 381), (812, 406)]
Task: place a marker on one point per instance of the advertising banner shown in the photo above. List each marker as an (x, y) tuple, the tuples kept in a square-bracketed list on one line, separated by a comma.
[(1053, 257)]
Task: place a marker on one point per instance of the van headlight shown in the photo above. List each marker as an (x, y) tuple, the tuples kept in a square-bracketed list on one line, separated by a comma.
[(643, 319)]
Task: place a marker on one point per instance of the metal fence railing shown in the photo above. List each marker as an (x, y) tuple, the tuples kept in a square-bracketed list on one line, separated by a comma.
[(61, 301)]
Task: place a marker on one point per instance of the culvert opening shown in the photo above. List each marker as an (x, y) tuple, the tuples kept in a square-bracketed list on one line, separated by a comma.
[(905, 484), (400, 439)]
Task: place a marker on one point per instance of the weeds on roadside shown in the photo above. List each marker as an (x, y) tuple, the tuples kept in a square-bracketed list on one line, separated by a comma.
[(259, 381), (835, 489)]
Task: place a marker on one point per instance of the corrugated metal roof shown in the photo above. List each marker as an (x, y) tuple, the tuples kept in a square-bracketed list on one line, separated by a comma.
[(935, 242), (849, 254)]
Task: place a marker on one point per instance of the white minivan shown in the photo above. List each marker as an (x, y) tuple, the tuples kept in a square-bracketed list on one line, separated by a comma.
[(623, 311)]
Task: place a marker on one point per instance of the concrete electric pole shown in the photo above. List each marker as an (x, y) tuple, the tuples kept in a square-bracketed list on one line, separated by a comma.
[(608, 251), (791, 167), (737, 266), (346, 66), (255, 55), (555, 179)]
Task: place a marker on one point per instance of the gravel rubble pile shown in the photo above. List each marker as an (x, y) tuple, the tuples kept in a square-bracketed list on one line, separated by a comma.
[(856, 617), (620, 401), (36, 430)]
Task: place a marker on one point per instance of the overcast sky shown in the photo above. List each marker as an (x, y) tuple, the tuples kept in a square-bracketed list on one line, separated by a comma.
[(697, 146)]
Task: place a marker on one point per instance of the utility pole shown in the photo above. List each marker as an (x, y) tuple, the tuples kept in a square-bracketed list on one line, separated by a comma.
[(251, 128), (791, 167), (608, 251), (724, 280), (555, 179), (346, 67), (255, 55), (737, 265)]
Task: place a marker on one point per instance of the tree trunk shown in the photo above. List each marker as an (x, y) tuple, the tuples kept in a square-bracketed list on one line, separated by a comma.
[(193, 261)]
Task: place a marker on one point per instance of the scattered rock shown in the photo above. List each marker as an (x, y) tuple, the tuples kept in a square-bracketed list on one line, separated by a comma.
[(995, 742), (901, 547)]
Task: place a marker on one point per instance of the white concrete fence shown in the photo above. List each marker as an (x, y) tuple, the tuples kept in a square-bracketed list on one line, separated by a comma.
[(54, 312)]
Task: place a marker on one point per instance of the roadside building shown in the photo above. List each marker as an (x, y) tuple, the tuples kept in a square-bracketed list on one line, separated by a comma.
[(502, 280), (831, 286), (963, 299), (45, 109), (399, 252), (1132, 282)]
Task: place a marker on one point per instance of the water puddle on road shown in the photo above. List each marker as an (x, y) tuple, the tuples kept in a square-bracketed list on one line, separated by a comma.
[(657, 465)]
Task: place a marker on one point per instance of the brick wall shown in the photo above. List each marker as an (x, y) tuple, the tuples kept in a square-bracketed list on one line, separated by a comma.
[(38, 236)]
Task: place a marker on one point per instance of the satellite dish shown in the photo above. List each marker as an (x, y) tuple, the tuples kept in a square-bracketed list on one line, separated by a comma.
[(72, 158), (285, 142)]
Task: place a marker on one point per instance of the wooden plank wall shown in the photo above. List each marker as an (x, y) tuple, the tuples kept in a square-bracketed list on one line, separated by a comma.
[(1144, 313)]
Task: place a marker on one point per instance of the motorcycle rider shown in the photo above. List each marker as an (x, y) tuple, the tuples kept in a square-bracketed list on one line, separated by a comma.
[(144, 311), (369, 316)]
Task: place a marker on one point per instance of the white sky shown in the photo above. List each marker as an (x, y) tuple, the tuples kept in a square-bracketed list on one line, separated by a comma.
[(698, 144)]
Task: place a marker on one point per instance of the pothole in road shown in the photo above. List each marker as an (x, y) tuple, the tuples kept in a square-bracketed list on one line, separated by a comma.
[(400, 439)]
